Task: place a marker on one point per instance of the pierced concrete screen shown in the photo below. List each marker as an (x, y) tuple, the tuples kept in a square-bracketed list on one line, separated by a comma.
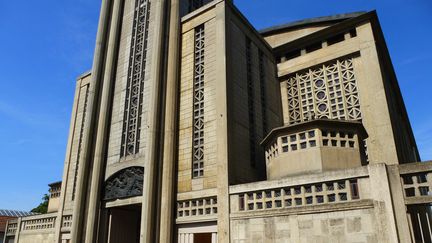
[(327, 91), (198, 104), (135, 82)]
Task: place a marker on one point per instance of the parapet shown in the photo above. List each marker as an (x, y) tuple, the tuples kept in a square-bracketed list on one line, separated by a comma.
[(314, 146)]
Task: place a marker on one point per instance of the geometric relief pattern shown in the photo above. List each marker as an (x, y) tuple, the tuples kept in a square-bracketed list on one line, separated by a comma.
[(135, 81), (125, 183), (327, 91), (198, 104)]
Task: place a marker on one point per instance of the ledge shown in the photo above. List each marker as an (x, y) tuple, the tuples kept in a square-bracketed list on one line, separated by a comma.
[(318, 123), (411, 168), (360, 204), (299, 180)]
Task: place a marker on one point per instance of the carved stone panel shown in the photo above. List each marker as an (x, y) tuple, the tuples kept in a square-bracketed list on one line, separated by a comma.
[(125, 183)]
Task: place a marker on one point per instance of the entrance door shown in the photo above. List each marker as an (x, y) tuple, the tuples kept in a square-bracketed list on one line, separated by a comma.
[(203, 238), (124, 225), (197, 233)]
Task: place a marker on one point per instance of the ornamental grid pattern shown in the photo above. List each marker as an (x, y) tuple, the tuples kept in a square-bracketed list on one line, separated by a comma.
[(37, 224), (262, 76), (81, 134), (301, 195), (197, 207), (198, 104), (251, 98), (417, 185), (135, 81), (327, 91)]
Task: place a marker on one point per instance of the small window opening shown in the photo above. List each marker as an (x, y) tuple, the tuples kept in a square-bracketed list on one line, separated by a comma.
[(335, 39), (313, 47)]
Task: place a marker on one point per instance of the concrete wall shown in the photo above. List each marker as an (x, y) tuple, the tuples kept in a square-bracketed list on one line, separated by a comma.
[(40, 236), (75, 139), (358, 225), (185, 181), (120, 86), (372, 94), (53, 204), (265, 108)]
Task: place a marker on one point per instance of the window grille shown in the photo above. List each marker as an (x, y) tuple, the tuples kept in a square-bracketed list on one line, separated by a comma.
[(198, 104), (327, 91), (135, 81)]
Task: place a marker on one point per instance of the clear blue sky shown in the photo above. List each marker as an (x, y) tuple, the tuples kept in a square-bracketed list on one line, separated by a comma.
[(45, 45)]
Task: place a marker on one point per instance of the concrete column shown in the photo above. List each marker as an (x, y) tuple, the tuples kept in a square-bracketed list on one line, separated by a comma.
[(167, 218), (103, 123), (397, 194), (222, 123), (384, 209), (149, 225), (18, 230), (98, 62)]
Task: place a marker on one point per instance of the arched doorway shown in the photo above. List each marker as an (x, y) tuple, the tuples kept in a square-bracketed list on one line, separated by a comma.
[(122, 206)]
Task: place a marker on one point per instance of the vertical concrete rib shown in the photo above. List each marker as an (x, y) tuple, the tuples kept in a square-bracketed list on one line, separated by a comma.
[(103, 123), (148, 227), (170, 130), (98, 62)]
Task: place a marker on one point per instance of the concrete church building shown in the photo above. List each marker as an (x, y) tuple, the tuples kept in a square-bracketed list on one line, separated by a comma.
[(194, 127)]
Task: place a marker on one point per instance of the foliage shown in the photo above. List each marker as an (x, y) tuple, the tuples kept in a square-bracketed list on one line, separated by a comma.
[(43, 206)]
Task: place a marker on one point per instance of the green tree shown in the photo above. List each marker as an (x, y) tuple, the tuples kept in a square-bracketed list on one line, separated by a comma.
[(43, 206)]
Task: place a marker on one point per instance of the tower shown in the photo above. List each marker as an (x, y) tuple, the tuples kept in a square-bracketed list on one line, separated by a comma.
[(185, 100)]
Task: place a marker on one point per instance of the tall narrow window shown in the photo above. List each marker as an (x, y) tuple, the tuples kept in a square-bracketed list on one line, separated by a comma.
[(198, 104), (251, 97), (135, 81), (262, 73)]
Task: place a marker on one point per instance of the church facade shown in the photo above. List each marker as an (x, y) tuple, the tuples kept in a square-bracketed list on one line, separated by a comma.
[(192, 126)]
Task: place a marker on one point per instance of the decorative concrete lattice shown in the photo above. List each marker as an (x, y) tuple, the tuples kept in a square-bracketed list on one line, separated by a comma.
[(272, 151), (67, 221), (81, 135), (198, 104), (262, 77), (37, 224), (302, 195), (417, 185), (292, 142), (12, 228), (327, 91), (251, 101), (339, 139), (297, 141), (197, 207), (135, 82), (55, 192)]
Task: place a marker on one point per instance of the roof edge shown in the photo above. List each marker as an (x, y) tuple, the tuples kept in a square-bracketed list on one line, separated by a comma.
[(309, 21)]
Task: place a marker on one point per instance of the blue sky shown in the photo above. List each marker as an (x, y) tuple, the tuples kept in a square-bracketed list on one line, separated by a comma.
[(45, 45)]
